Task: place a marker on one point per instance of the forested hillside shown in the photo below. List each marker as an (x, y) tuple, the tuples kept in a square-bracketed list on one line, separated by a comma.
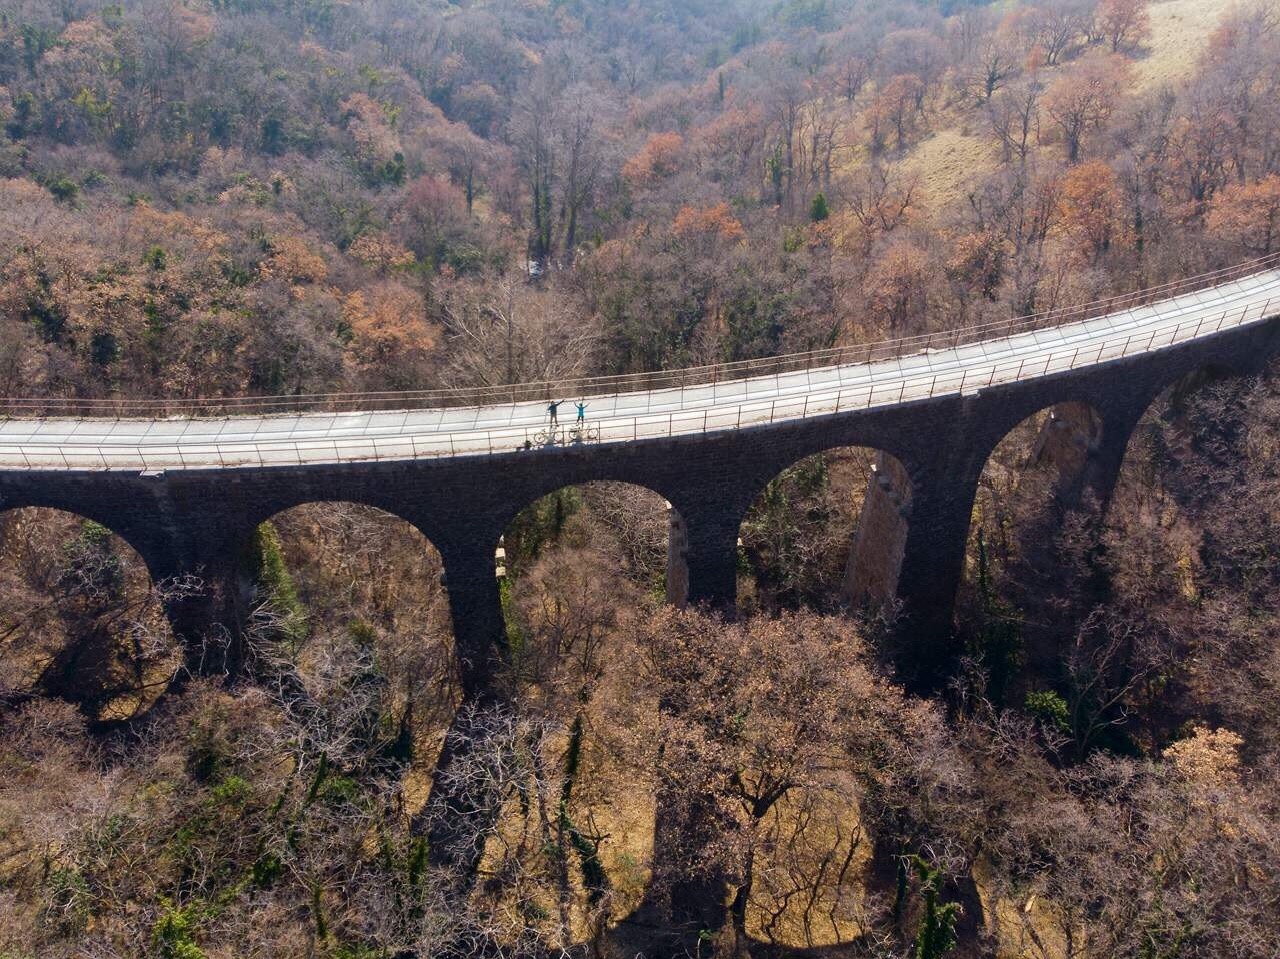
[(273, 199), (262, 197)]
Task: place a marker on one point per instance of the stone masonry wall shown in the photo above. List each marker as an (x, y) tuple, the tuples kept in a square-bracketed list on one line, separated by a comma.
[(880, 540), (196, 521)]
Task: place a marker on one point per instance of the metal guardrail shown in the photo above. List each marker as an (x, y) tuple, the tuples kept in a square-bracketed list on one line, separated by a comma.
[(826, 399), (601, 386)]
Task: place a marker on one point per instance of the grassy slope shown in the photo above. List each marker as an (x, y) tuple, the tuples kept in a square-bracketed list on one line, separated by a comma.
[(1180, 31), (959, 148)]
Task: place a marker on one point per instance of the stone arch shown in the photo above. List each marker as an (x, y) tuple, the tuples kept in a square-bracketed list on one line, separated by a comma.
[(1168, 404), (1044, 463), (140, 536), (84, 617), (358, 529), (1042, 473), (1186, 383), (854, 503), (649, 532), (353, 574), (265, 508), (577, 564)]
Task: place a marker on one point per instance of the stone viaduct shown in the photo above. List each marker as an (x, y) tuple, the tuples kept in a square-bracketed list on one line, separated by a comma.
[(197, 521)]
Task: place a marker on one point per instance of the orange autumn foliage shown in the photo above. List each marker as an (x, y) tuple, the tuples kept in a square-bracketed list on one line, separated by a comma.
[(712, 222), (1248, 214), (386, 321), (897, 287), (658, 159), (1089, 206), (294, 261), (1083, 100)]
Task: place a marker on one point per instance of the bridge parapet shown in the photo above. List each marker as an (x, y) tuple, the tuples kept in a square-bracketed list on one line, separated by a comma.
[(1027, 357), (192, 520), (863, 354)]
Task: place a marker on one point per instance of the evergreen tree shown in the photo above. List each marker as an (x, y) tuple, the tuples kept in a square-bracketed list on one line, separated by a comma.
[(937, 933)]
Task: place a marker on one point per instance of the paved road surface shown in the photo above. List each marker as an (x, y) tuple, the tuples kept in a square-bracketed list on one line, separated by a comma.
[(176, 443)]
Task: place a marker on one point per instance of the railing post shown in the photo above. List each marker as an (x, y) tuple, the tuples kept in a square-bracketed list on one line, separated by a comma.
[(1163, 322)]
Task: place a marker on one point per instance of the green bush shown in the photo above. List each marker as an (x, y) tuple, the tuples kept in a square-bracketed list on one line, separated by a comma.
[(1050, 708), (63, 188), (172, 935)]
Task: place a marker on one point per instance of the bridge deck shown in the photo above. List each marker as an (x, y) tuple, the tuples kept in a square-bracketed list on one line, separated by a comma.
[(177, 443)]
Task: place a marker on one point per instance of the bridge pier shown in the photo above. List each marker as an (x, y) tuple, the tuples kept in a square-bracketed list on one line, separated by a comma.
[(458, 810), (479, 631), (932, 569), (1103, 472), (711, 557), (1068, 443), (880, 539), (677, 559)]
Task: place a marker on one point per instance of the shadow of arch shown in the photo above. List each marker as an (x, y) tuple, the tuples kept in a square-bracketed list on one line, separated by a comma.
[(81, 618), (829, 531), (347, 620), (576, 567)]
